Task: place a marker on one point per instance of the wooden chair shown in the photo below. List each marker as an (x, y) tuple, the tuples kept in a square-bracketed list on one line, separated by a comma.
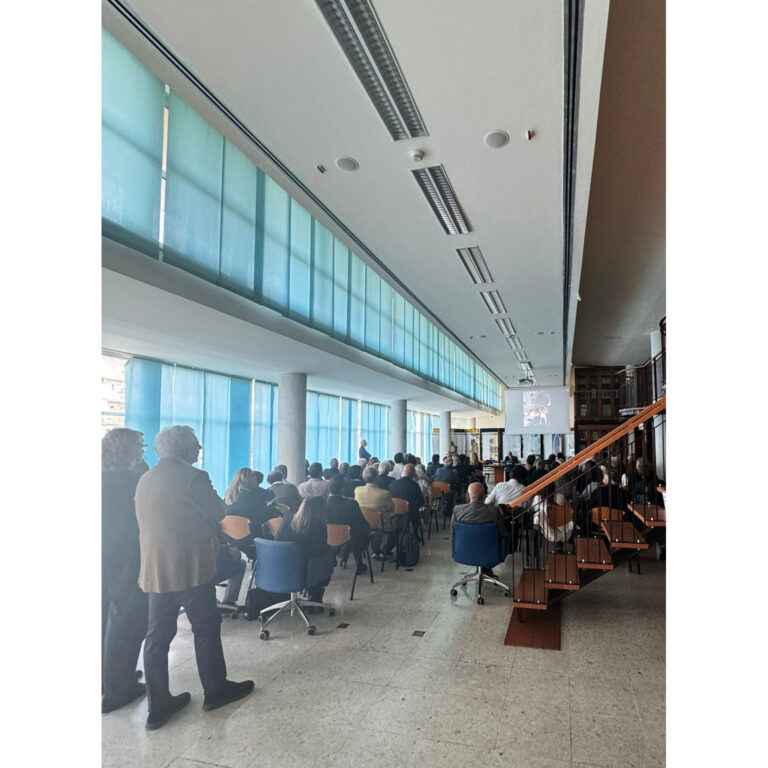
[(559, 514), (236, 527), (273, 524)]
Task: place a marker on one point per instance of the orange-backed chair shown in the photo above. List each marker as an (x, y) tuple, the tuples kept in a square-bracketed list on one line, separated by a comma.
[(559, 514), (373, 516), (338, 535), (399, 521), (236, 527), (444, 498), (273, 524)]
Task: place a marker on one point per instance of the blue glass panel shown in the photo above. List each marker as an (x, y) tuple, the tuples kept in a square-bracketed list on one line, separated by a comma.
[(143, 380), (372, 308), (274, 279), (301, 250), (357, 300), (340, 287), (322, 278), (385, 321), (349, 414)]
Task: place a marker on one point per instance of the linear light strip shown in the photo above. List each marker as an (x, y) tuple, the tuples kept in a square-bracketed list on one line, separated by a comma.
[(493, 302), (429, 190), (440, 179), (474, 263)]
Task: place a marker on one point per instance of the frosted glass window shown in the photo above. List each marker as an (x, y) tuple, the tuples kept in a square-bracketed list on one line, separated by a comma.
[(274, 281), (322, 278), (340, 287)]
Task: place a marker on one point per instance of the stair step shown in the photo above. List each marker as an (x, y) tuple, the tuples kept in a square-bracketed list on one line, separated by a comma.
[(562, 572), (652, 515), (623, 535), (531, 591), (593, 554)]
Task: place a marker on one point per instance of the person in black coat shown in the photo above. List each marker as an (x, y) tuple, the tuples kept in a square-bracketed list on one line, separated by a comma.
[(124, 605), (308, 528), (354, 479), (407, 488), (347, 512), (384, 480), (283, 492), (610, 495), (246, 498), (332, 470)]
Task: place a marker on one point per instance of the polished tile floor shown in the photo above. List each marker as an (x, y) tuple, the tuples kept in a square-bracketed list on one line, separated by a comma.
[(374, 694)]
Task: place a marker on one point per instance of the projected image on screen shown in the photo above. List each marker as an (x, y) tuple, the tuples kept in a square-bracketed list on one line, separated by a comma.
[(536, 407)]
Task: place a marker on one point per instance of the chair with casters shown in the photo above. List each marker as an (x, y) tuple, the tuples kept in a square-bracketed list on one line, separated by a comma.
[(280, 567), (478, 544), (236, 532)]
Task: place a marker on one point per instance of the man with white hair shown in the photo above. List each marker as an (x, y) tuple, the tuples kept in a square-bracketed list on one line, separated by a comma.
[(178, 510)]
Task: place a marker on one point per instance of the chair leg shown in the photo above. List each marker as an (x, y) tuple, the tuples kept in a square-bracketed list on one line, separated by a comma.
[(354, 581), (370, 565)]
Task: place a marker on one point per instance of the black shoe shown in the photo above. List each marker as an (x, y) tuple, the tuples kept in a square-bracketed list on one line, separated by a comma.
[(177, 703), (361, 568), (109, 706), (139, 674), (232, 692)]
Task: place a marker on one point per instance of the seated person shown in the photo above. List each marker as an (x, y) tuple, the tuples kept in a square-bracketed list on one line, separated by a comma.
[(332, 470), (284, 493), (478, 512), (354, 479), (407, 488), (246, 498), (384, 480), (371, 496), (347, 512), (433, 465), (610, 494), (307, 528), (507, 492), (540, 504), (314, 485)]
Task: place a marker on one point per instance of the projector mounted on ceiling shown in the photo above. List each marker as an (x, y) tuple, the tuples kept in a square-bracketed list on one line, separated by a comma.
[(525, 381)]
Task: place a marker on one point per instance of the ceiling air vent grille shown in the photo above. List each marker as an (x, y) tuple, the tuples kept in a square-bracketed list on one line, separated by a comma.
[(356, 27), (474, 263), (442, 199)]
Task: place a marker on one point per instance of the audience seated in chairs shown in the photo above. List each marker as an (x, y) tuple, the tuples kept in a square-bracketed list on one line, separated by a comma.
[(433, 465), (246, 498), (347, 512), (177, 510), (552, 516), (123, 604), (332, 471), (610, 495), (407, 488), (314, 485), (384, 480), (307, 527), (397, 470), (284, 493)]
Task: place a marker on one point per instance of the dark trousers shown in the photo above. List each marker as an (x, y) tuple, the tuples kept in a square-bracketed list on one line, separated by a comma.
[(203, 614), (124, 625)]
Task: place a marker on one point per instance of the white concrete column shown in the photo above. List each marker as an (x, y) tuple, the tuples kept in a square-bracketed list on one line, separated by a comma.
[(658, 424), (292, 424), (398, 427), (445, 433)]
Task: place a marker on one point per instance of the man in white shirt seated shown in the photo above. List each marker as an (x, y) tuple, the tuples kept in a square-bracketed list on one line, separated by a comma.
[(315, 486), (507, 492)]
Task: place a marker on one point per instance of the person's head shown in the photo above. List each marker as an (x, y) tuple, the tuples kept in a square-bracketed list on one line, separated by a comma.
[(316, 469), (641, 465), (363, 443), (610, 474), (386, 467), (370, 475), (282, 469), (435, 458), (421, 473), (334, 463), (121, 449), (519, 473), (398, 458), (539, 464), (178, 442), (336, 485), (355, 472), (509, 455), (551, 458), (560, 457), (475, 492), (343, 468), (274, 477), (373, 460), (244, 478), (409, 471), (312, 508), (530, 461)]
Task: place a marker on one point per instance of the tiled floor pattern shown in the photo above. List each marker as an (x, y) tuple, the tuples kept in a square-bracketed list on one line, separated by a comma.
[(375, 694)]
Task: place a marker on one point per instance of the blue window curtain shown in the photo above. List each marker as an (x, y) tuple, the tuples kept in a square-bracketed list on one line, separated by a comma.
[(228, 222), (132, 100), (322, 427), (349, 430), (143, 386), (193, 191), (374, 428), (420, 426), (264, 427)]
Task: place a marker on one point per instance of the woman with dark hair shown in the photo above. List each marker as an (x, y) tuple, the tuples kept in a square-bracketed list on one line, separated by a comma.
[(307, 528), (354, 480), (124, 606)]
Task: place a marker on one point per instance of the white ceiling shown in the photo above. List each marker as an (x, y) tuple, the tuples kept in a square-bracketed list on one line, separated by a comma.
[(471, 69)]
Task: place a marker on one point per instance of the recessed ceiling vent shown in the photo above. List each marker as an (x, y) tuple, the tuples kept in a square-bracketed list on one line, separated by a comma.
[(474, 263), (442, 199), (356, 27), (493, 302)]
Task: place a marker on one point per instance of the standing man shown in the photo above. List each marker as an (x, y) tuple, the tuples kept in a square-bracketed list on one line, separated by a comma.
[(177, 510), (362, 453)]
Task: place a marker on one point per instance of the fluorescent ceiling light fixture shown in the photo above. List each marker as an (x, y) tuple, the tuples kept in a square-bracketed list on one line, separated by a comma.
[(493, 302), (437, 189), (505, 326), (474, 263), (357, 29)]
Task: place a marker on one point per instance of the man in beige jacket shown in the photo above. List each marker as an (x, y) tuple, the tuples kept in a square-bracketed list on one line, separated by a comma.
[(178, 511), (373, 497)]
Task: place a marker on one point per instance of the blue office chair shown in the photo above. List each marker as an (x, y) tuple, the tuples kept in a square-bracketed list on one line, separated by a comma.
[(280, 568), (478, 544)]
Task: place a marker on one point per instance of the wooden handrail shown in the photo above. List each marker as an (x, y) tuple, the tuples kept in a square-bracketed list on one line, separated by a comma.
[(606, 440)]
